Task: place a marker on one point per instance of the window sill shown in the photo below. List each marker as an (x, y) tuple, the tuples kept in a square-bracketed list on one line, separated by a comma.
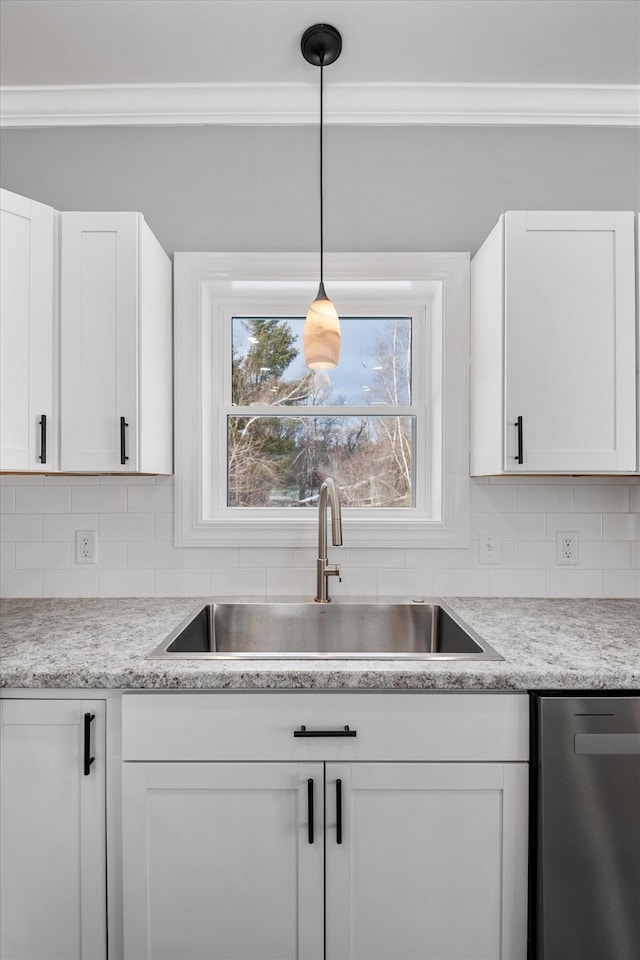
[(412, 530)]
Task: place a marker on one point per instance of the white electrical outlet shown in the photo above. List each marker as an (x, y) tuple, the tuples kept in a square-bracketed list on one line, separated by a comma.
[(86, 546), (567, 547), (489, 546)]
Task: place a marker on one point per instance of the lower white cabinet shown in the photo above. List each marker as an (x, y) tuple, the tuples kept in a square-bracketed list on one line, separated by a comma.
[(218, 861), (227, 861), (432, 863), (338, 853), (52, 838)]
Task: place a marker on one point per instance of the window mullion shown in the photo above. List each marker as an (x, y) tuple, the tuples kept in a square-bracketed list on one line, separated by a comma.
[(266, 410)]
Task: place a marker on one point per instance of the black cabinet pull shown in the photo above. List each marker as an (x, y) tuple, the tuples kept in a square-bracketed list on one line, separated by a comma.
[(303, 732), (338, 811), (123, 440), (43, 438), (519, 456), (310, 808), (88, 759)]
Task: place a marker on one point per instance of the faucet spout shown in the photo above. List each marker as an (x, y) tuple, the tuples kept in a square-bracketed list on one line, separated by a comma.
[(329, 495)]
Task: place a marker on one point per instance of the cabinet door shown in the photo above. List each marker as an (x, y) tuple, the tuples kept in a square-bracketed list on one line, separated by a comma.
[(432, 863), (27, 335), (570, 344), (52, 829), (99, 317), (218, 862)]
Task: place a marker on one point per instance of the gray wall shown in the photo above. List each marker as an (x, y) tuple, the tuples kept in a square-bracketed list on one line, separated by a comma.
[(387, 188)]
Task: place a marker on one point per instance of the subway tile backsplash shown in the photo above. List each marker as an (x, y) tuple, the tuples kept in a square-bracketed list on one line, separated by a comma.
[(136, 557)]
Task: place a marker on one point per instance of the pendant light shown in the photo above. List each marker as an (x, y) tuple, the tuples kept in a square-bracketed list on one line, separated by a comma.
[(321, 45)]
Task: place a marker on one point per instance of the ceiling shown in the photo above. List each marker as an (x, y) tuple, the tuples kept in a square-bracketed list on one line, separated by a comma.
[(45, 42)]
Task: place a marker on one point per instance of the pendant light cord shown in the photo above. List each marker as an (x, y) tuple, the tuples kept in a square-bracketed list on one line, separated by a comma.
[(321, 179)]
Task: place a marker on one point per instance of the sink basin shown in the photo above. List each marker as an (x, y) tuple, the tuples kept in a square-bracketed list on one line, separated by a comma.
[(415, 630)]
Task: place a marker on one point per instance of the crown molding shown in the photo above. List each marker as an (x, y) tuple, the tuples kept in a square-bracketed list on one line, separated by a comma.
[(404, 104)]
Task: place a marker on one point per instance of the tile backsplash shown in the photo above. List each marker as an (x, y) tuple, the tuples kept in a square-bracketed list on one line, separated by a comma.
[(133, 518)]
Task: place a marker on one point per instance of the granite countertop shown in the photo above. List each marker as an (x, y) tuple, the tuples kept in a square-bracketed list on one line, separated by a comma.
[(547, 644)]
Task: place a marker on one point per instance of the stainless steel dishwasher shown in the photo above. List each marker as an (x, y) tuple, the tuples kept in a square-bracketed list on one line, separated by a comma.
[(586, 827)]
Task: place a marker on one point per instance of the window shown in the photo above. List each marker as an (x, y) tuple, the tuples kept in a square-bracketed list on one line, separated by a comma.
[(257, 432), (288, 427)]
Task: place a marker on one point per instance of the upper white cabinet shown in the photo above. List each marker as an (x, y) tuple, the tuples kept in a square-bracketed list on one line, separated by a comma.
[(28, 335), (86, 342), (553, 345), (116, 372)]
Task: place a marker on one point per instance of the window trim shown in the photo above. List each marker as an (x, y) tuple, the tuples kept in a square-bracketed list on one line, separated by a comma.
[(221, 281)]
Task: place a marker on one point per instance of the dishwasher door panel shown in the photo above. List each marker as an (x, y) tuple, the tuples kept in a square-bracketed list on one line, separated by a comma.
[(588, 828)]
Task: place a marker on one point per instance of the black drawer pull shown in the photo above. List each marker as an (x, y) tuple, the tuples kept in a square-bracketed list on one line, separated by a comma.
[(338, 811), (310, 808), (123, 440), (43, 438), (303, 732), (519, 455), (88, 759)]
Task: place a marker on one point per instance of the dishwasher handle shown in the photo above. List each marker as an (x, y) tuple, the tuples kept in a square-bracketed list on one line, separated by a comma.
[(607, 743)]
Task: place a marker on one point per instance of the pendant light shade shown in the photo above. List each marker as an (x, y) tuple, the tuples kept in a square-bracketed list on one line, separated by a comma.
[(321, 337), (321, 45)]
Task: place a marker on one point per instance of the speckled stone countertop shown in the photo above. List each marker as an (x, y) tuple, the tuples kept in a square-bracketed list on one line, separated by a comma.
[(547, 644)]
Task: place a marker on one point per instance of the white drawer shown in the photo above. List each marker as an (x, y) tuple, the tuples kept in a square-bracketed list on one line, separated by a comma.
[(387, 726)]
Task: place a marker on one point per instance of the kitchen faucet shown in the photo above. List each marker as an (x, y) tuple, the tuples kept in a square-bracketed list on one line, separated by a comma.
[(328, 491)]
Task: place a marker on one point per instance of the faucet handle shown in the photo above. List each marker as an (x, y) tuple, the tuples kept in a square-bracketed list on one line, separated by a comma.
[(333, 571)]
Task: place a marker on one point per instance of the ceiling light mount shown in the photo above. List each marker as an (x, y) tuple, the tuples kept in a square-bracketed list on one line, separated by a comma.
[(321, 45)]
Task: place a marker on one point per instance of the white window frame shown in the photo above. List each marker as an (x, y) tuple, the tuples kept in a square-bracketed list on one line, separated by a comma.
[(215, 419), (210, 288)]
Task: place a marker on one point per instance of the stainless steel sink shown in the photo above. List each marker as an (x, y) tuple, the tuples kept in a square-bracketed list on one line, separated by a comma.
[(414, 630)]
